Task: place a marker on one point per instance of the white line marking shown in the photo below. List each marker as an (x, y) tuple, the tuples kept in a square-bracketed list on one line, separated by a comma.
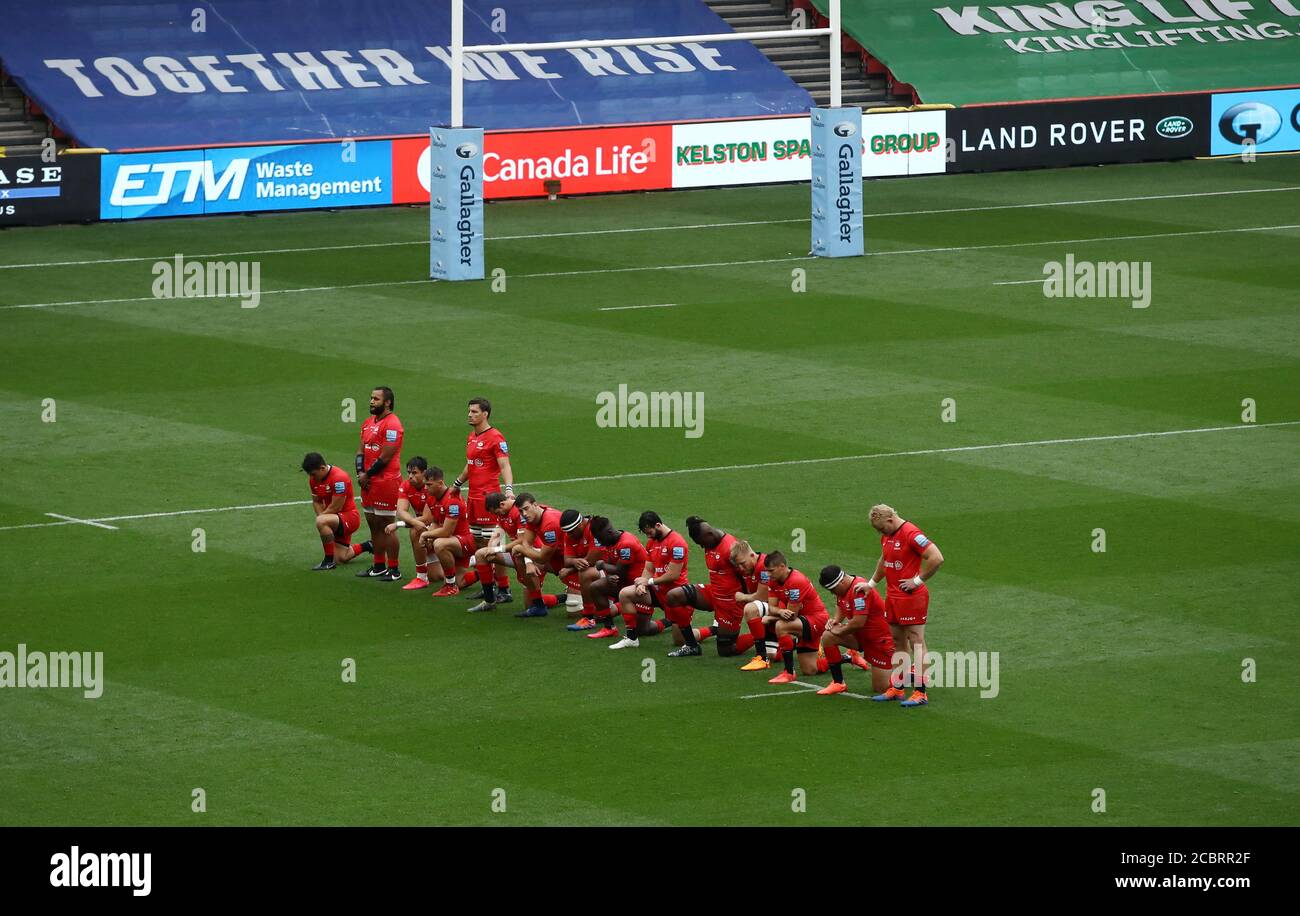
[(620, 270), (81, 521), (915, 453), (806, 686), (624, 308), (1018, 282), (585, 232), (728, 467)]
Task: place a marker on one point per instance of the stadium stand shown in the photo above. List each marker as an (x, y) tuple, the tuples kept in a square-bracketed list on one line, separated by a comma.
[(22, 128), (134, 76), (805, 61)]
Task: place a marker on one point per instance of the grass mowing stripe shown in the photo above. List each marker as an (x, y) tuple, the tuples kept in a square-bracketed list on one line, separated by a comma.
[(730, 467), (724, 225)]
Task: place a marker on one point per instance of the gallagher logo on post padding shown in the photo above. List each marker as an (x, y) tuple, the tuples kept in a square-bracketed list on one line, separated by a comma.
[(844, 130), (1265, 122)]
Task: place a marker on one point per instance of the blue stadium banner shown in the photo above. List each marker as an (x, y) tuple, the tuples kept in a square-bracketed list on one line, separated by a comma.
[(138, 75), (837, 182), (1255, 122), (246, 179), (456, 203)]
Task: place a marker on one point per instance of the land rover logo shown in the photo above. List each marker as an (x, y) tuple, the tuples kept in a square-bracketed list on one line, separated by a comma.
[(1174, 126), (844, 129), (467, 151)]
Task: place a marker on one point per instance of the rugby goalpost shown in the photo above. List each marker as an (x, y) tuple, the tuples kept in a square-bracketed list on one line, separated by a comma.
[(456, 216)]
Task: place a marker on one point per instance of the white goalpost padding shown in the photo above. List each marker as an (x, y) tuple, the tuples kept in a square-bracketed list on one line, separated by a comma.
[(456, 152)]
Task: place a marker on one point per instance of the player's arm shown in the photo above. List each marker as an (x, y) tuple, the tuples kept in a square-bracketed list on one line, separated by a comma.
[(317, 506), (385, 455), (405, 518), (336, 504), (668, 578), (931, 560), (879, 573), (760, 594), (507, 474), (461, 477), (536, 554)]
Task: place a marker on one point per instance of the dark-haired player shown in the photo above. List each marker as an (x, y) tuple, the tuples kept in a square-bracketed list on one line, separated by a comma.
[(625, 559), (336, 511), (379, 474), (665, 568), (798, 613), (496, 555), (412, 496), (487, 464), (718, 596), (539, 542), (859, 625), (447, 536), (581, 552)]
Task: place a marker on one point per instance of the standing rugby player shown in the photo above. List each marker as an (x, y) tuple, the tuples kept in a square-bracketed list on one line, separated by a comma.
[(336, 511), (487, 464), (907, 559), (379, 474)]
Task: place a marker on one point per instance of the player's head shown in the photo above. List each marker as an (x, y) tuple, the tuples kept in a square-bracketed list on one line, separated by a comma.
[(603, 530), (435, 480), (381, 400), (416, 469), (743, 557), (884, 519), (834, 580), (703, 533), (529, 508), (499, 503), (778, 566), (570, 521), (651, 525), (315, 465), (480, 410)]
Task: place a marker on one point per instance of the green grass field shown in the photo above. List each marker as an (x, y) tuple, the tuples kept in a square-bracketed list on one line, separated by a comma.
[(1119, 670)]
